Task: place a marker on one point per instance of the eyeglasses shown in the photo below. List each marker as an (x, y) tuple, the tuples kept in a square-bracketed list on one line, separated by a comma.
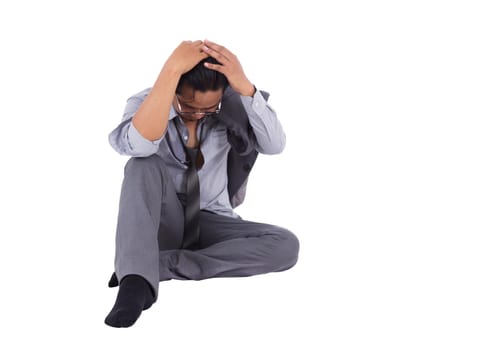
[(198, 111)]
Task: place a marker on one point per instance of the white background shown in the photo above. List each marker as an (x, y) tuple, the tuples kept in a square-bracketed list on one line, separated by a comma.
[(387, 177)]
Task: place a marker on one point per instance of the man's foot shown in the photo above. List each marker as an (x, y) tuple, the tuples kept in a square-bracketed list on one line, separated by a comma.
[(113, 282), (134, 295)]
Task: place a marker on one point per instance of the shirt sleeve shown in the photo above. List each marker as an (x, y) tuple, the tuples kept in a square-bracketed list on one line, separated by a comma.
[(270, 137), (126, 139)]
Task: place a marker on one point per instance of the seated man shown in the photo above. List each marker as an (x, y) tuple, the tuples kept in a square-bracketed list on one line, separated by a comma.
[(176, 218)]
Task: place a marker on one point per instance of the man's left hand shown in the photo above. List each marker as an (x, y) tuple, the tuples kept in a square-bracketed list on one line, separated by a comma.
[(230, 66)]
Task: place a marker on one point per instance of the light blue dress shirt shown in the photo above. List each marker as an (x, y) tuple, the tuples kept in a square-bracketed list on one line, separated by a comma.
[(269, 139)]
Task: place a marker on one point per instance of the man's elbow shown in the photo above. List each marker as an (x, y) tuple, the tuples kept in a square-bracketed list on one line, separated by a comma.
[(274, 147), (128, 149), (142, 152)]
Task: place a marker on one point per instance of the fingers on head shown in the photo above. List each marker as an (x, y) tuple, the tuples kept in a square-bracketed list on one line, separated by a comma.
[(194, 43), (216, 67)]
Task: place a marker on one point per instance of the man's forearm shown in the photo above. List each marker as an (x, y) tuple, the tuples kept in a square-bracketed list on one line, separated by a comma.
[(267, 128), (151, 119)]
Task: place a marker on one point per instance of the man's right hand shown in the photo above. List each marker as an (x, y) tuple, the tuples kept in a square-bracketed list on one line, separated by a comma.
[(186, 56), (151, 119)]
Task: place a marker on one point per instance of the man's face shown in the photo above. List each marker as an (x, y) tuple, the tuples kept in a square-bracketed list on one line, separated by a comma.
[(192, 105)]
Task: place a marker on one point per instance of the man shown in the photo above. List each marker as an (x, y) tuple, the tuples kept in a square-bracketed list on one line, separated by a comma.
[(176, 219)]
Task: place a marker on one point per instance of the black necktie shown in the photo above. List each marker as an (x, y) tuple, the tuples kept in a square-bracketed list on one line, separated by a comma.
[(191, 224)]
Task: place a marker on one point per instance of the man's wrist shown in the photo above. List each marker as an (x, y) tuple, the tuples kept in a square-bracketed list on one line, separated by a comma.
[(170, 71), (249, 91)]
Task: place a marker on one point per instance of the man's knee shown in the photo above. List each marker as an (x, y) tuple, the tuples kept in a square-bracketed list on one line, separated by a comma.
[(287, 251), (144, 165)]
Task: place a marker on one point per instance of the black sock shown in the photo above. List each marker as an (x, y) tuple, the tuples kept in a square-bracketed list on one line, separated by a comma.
[(113, 282), (134, 295)]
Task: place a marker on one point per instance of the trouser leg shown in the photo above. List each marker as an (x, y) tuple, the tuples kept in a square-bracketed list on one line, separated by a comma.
[(149, 207), (231, 247)]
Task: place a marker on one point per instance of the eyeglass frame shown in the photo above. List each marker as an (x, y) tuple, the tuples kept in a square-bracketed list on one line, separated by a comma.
[(204, 114)]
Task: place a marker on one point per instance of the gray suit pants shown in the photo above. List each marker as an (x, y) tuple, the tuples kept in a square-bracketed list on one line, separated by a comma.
[(150, 233)]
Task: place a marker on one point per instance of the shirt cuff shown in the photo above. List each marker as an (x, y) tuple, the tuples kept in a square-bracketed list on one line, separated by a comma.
[(256, 103), (139, 144)]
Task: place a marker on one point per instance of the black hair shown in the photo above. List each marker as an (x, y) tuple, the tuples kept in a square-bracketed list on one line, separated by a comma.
[(203, 79)]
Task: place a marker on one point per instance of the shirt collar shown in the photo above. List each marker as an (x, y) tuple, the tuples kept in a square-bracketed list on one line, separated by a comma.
[(173, 113)]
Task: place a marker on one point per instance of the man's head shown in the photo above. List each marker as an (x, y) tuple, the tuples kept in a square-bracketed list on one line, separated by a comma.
[(202, 79), (199, 90)]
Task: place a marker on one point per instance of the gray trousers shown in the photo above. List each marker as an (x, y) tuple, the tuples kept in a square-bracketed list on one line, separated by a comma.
[(150, 233)]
